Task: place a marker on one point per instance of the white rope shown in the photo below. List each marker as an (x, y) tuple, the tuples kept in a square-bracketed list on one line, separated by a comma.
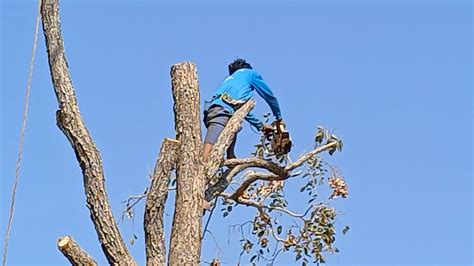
[(22, 137)]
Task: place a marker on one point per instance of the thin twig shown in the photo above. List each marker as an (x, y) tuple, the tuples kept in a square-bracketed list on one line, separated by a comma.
[(260, 205), (219, 250), (135, 199)]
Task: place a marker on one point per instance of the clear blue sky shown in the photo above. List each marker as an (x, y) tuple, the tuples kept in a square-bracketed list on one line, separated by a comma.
[(394, 78)]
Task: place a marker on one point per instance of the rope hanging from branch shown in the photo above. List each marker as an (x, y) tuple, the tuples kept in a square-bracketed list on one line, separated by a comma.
[(22, 137)]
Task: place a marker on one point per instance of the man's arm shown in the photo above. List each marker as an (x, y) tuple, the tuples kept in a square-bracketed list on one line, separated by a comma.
[(254, 121), (266, 93)]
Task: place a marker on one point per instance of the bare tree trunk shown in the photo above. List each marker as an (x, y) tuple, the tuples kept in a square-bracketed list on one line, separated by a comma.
[(185, 245), (155, 203), (74, 253), (70, 122)]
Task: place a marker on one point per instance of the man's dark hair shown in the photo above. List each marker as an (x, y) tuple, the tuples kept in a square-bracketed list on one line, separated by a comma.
[(238, 64)]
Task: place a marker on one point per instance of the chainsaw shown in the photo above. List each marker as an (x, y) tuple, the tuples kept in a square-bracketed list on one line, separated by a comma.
[(279, 138), (276, 133)]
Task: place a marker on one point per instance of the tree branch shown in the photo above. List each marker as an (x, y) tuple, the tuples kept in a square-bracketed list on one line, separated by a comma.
[(236, 166), (276, 172), (256, 162), (224, 181), (252, 177), (70, 122), (225, 139), (185, 244), (155, 203), (259, 206), (309, 155), (74, 253)]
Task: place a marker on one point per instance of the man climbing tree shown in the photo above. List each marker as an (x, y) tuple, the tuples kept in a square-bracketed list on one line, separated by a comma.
[(236, 89)]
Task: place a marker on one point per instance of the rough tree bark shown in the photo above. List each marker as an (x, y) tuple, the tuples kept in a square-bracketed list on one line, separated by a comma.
[(155, 203), (185, 244), (75, 254), (216, 158), (70, 122)]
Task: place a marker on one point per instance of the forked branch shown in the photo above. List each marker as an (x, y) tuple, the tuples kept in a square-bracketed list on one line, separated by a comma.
[(276, 172)]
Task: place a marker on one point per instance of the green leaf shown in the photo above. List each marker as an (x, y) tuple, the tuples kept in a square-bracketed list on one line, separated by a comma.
[(298, 256), (345, 230), (225, 214), (229, 208), (339, 146), (279, 229), (253, 258), (303, 187), (281, 160), (261, 233), (319, 135), (305, 262)]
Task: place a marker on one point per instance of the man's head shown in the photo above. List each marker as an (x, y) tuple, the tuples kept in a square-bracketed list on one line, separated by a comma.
[(238, 64)]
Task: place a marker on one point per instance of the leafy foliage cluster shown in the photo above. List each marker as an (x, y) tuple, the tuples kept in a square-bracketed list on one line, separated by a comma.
[(309, 234)]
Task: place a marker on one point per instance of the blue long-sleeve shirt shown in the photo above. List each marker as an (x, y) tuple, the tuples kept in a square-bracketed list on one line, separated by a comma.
[(240, 86)]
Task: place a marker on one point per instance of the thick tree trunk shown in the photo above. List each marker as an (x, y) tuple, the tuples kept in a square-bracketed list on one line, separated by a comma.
[(70, 122), (155, 203), (185, 245), (74, 253)]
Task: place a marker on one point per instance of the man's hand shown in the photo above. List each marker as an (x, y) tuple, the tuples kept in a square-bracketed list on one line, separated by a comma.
[(276, 124), (267, 128), (279, 122)]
